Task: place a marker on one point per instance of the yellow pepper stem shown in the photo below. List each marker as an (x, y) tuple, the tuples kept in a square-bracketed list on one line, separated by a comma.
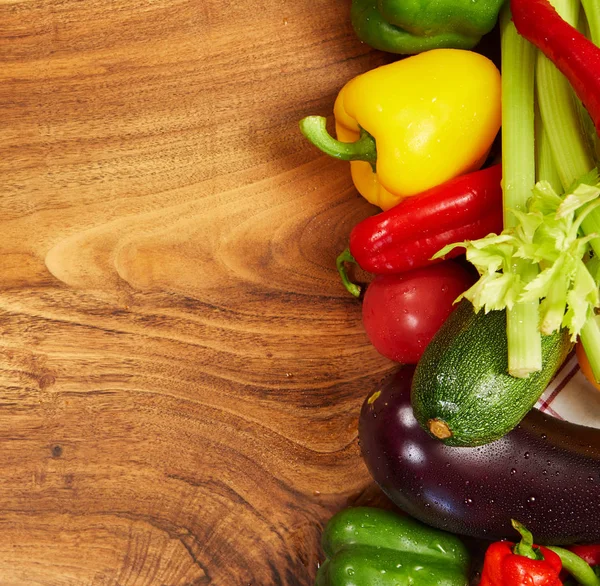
[(314, 128)]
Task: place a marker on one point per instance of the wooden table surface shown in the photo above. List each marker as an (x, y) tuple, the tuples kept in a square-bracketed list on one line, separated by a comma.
[(180, 368)]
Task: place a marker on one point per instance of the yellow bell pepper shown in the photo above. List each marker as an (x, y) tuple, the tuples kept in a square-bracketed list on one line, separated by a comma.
[(413, 124)]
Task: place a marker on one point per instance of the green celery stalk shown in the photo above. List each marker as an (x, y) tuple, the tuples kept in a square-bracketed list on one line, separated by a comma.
[(590, 333), (592, 12), (590, 338), (546, 168), (560, 117), (572, 153), (518, 172), (546, 171), (591, 224), (559, 111)]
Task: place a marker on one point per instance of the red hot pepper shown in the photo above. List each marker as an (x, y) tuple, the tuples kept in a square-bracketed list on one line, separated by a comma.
[(521, 564), (578, 561), (574, 55), (588, 553), (407, 236)]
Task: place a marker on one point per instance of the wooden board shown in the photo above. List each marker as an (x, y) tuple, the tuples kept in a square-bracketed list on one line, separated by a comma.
[(180, 368)]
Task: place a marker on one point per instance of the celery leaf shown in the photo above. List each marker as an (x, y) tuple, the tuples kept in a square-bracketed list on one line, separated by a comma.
[(546, 234)]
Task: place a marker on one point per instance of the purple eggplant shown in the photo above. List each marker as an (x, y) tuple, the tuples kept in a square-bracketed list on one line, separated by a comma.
[(545, 473)]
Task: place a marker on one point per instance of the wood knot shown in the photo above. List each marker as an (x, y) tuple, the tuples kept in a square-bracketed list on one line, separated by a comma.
[(46, 380)]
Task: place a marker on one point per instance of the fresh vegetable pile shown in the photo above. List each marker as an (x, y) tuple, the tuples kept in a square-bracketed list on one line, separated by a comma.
[(486, 274)]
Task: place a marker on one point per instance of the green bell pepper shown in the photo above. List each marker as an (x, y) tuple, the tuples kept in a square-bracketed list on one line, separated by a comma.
[(413, 26), (372, 547)]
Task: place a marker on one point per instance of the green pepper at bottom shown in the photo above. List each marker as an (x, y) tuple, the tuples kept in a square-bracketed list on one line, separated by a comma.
[(372, 547)]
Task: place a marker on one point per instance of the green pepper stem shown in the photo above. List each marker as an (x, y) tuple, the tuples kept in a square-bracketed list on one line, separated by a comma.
[(314, 128), (577, 567), (340, 262), (525, 546)]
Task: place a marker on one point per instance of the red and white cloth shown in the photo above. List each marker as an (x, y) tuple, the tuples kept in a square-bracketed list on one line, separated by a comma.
[(571, 397)]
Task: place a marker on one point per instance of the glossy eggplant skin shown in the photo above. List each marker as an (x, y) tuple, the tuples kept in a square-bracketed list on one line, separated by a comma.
[(545, 473)]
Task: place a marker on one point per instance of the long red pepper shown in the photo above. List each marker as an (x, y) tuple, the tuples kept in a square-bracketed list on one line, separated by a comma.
[(581, 561), (409, 234), (574, 55), (589, 553)]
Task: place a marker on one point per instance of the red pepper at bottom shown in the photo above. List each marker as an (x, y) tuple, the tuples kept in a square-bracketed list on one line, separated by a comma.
[(504, 568), (522, 564), (407, 236)]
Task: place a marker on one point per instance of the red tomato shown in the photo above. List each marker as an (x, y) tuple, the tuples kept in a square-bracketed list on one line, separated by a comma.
[(401, 313)]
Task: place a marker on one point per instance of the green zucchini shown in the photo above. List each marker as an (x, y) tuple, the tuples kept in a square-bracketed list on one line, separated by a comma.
[(462, 393)]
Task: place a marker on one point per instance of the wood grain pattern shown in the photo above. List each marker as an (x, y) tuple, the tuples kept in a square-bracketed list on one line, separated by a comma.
[(180, 369)]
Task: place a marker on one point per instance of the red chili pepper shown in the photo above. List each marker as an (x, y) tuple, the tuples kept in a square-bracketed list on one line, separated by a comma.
[(582, 562), (589, 553), (521, 564), (574, 55), (407, 236)]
